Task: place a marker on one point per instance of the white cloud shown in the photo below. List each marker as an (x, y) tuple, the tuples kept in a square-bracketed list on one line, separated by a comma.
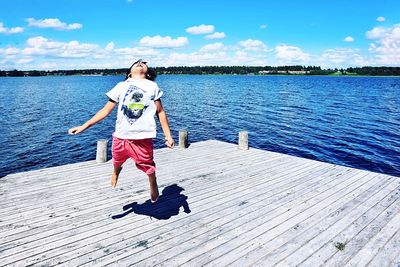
[(216, 54), (240, 53), (291, 55), (43, 53), (49, 65), (11, 51), (52, 23), (10, 30), (16, 30), (73, 49), (36, 41), (212, 47), (348, 39), (216, 35), (201, 29), (24, 60), (110, 46), (342, 57), (253, 45), (196, 59), (243, 58), (263, 26), (387, 44), (137, 51), (380, 19), (376, 33), (163, 42)]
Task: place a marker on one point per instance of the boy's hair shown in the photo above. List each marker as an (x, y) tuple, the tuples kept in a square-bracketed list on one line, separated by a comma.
[(150, 75)]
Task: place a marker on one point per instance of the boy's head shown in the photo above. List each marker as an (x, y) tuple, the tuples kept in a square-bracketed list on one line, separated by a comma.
[(140, 68)]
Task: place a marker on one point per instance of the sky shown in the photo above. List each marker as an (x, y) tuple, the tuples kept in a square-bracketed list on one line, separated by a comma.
[(82, 34)]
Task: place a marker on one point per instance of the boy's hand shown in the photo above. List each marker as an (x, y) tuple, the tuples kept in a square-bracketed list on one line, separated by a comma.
[(76, 130), (169, 142)]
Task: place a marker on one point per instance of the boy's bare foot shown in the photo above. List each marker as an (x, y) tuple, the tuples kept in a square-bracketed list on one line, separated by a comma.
[(114, 176), (154, 194), (153, 187), (114, 180)]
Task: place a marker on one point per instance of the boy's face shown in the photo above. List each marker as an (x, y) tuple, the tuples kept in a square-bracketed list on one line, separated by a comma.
[(139, 67)]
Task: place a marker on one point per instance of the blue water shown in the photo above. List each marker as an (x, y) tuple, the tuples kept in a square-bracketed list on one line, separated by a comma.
[(351, 121)]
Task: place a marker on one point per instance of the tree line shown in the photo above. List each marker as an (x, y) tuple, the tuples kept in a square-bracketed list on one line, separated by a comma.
[(232, 70)]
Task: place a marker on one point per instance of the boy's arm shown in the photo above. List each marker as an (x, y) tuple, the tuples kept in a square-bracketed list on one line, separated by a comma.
[(101, 114), (162, 116)]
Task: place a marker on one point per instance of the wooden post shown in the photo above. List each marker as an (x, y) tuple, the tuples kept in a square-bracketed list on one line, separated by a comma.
[(183, 138), (101, 154), (243, 140)]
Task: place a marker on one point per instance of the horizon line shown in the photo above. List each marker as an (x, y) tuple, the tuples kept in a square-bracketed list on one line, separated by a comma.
[(214, 66)]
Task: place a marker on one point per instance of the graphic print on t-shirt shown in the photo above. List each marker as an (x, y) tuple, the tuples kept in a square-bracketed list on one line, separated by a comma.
[(133, 104)]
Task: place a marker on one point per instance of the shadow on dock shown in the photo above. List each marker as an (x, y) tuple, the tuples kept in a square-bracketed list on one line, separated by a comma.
[(168, 205)]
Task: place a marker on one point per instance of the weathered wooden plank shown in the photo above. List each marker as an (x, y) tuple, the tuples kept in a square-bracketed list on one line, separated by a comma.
[(128, 224), (272, 224), (212, 216), (246, 206), (375, 244), (69, 175), (396, 261), (389, 252), (22, 177), (35, 177), (128, 167), (325, 235), (221, 184), (70, 191), (194, 222), (62, 189), (305, 233), (101, 198), (197, 145), (207, 224), (358, 233), (89, 180)]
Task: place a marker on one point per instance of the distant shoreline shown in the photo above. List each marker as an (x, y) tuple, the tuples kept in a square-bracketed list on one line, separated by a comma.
[(221, 70), (212, 74)]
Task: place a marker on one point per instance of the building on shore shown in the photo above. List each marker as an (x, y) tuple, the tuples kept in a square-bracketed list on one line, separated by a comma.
[(296, 72)]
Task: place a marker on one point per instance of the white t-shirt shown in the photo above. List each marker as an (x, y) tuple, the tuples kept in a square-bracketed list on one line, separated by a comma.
[(136, 108)]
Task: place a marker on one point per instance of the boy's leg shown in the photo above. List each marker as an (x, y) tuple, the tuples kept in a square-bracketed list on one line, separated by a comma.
[(114, 176), (153, 187), (119, 156), (141, 152)]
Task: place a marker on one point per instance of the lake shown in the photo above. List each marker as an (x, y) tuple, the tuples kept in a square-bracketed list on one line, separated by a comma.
[(351, 121)]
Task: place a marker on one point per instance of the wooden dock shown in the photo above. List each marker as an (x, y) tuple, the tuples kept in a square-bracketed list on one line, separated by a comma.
[(219, 206)]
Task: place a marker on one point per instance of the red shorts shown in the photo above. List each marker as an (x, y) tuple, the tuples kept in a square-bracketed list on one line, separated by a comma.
[(140, 151)]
